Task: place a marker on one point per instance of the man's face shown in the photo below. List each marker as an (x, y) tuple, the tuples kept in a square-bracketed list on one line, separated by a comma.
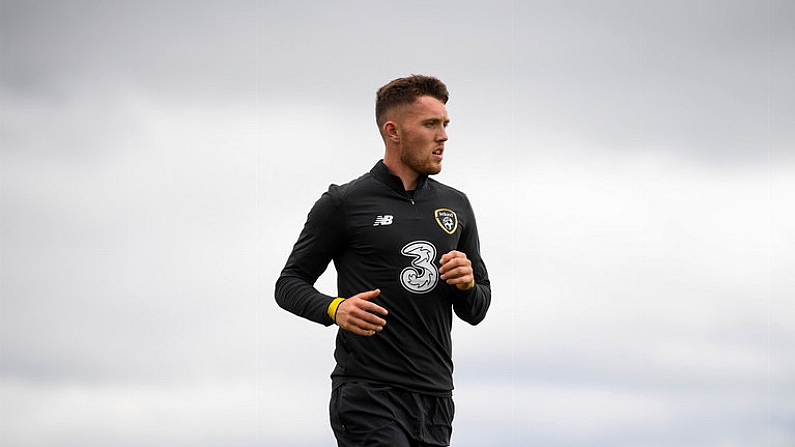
[(423, 133)]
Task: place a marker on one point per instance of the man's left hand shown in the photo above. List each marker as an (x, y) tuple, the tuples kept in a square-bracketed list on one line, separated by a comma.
[(456, 270)]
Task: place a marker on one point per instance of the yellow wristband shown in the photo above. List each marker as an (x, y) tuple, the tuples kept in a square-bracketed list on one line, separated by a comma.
[(332, 308), (468, 286)]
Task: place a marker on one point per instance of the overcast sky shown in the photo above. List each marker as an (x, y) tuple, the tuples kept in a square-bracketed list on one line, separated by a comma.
[(631, 164)]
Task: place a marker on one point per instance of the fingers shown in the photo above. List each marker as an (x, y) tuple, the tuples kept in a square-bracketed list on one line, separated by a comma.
[(456, 269), (363, 301), (360, 316), (452, 260)]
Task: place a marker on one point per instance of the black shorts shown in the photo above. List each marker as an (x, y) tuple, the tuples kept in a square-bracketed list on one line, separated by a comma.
[(372, 415)]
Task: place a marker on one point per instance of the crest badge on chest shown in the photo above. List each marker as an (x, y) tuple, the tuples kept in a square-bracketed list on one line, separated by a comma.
[(447, 219)]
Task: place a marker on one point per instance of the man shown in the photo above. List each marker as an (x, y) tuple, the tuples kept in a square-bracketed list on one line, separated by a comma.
[(407, 256)]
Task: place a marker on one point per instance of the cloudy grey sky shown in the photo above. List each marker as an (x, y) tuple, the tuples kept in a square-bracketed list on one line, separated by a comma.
[(632, 165)]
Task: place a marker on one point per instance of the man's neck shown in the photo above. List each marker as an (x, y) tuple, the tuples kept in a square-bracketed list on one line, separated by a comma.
[(406, 175)]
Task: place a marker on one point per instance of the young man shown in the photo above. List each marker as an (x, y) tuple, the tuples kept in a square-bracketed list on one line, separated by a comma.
[(407, 256)]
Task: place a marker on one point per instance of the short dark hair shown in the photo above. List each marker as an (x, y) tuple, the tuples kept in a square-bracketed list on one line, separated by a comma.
[(404, 91)]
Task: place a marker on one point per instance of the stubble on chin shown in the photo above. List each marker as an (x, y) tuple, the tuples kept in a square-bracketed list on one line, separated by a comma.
[(423, 167)]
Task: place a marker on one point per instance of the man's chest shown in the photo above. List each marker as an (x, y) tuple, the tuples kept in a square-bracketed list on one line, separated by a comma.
[(393, 229)]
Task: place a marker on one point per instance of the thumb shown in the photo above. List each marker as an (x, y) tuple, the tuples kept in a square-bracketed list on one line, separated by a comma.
[(367, 296)]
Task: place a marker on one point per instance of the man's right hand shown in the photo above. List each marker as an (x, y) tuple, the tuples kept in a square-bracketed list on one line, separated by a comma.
[(358, 315)]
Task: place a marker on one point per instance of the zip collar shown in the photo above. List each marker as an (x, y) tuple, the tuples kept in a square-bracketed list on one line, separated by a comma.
[(382, 173)]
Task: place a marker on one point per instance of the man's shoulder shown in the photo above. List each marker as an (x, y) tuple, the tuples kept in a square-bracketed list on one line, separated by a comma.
[(447, 190), (355, 186)]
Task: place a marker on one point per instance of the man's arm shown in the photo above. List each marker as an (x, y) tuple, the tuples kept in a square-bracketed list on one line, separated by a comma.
[(473, 291), (319, 242), (464, 268)]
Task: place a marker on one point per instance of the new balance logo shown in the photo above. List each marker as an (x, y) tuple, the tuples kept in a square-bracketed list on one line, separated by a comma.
[(383, 220)]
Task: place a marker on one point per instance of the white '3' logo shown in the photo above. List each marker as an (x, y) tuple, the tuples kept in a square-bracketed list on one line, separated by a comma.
[(422, 276)]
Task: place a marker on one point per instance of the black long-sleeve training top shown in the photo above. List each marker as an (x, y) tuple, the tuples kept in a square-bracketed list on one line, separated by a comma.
[(380, 236)]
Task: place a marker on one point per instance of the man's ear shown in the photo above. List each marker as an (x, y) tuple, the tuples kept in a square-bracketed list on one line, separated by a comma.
[(391, 131)]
